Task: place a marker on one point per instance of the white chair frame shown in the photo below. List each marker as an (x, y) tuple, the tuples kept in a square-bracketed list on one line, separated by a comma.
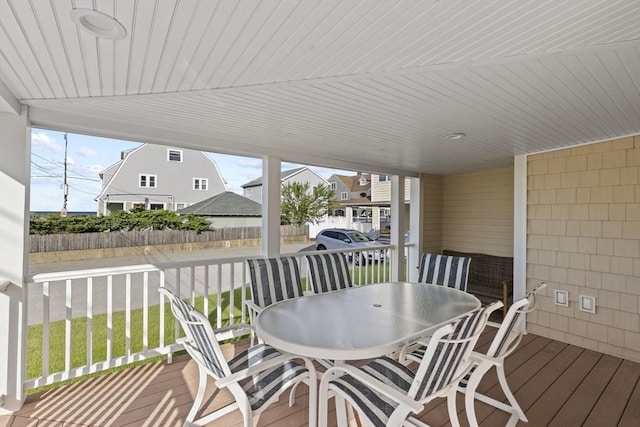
[(432, 370), (232, 379)]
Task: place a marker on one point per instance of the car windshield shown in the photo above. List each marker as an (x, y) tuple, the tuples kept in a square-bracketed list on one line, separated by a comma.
[(358, 237)]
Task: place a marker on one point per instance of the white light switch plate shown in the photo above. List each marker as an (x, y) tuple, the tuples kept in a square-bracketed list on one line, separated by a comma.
[(587, 303), (561, 298)]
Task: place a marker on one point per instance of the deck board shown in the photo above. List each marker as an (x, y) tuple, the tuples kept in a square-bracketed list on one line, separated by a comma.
[(556, 384)]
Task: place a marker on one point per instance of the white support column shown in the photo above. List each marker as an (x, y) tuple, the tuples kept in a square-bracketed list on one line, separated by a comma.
[(271, 187), (15, 173), (416, 223), (397, 228), (519, 227)]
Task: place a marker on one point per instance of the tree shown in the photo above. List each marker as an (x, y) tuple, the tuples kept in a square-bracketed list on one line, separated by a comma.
[(300, 205)]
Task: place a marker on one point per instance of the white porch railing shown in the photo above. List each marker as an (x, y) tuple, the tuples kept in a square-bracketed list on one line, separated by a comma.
[(87, 321)]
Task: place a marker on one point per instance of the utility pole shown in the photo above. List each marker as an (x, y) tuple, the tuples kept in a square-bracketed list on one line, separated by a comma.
[(65, 187)]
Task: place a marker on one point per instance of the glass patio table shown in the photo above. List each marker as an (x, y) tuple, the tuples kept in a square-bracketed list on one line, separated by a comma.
[(361, 322)]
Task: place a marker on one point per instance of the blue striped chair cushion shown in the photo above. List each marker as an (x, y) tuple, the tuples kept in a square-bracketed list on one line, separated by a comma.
[(329, 272), (263, 386), (376, 407), (198, 333), (274, 279), (445, 270), (443, 367)]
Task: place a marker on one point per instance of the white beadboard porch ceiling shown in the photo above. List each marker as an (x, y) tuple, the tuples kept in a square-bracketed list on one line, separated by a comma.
[(371, 85)]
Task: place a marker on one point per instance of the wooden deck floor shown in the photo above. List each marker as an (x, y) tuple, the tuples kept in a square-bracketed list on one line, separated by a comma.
[(556, 384)]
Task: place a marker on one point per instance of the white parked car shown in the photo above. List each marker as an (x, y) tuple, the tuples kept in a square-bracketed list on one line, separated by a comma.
[(343, 238)]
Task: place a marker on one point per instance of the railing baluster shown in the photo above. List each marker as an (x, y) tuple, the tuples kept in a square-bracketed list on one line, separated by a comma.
[(45, 328), (67, 329), (192, 285), (90, 321), (206, 289), (176, 325), (161, 333), (232, 289), (109, 318), (127, 315), (145, 311), (219, 298)]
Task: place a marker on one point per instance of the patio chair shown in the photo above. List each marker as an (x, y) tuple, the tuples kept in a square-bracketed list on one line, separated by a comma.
[(256, 377), (504, 343), (386, 392), (329, 272), (272, 280), (444, 270)]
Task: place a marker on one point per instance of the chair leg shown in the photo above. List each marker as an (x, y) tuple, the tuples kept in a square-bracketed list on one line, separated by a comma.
[(470, 392), (323, 399), (202, 387), (451, 406), (507, 392)]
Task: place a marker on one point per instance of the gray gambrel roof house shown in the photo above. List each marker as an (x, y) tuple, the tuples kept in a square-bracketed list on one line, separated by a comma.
[(225, 204)]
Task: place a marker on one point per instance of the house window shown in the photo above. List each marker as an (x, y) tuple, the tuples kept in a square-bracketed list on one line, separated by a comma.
[(149, 181), (200, 183), (386, 212), (384, 178), (174, 155), (156, 206), (333, 185), (344, 195), (180, 206), (247, 192), (363, 180)]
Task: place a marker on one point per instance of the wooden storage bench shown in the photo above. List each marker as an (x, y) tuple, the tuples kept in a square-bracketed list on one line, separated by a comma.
[(490, 277)]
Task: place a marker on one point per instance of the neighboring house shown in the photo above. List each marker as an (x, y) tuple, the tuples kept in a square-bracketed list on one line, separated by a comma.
[(158, 177), (351, 193), (228, 209), (253, 189), (381, 200)]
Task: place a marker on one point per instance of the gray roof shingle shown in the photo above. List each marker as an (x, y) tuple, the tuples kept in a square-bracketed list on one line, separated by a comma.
[(225, 204)]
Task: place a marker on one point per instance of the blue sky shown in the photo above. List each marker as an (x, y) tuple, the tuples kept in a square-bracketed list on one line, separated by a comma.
[(88, 155)]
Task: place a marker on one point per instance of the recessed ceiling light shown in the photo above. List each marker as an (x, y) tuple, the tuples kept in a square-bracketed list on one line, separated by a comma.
[(98, 24), (457, 135)]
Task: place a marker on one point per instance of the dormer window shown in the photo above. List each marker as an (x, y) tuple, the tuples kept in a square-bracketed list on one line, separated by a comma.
[(174, 155), (333, 185)]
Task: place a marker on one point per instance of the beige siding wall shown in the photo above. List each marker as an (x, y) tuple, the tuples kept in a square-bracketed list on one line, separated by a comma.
[(584, 238), (432, 208), (478, 212), (381, 191)]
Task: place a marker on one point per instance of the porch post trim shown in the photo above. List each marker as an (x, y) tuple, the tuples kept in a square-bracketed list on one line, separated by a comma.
[(397, 228), (15, 177), (416, 225), (519, 226), (271, 183)]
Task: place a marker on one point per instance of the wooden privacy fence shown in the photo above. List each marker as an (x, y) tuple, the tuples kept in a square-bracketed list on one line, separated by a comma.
[(124, 239)]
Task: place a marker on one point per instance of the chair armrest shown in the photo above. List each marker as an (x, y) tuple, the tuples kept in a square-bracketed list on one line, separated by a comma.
[(253, 306), (372, 382), (260, 367), (232, 329)]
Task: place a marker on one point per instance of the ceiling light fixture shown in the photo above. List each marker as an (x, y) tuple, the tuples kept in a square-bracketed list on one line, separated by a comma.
[(98, 24), (454, 136)]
